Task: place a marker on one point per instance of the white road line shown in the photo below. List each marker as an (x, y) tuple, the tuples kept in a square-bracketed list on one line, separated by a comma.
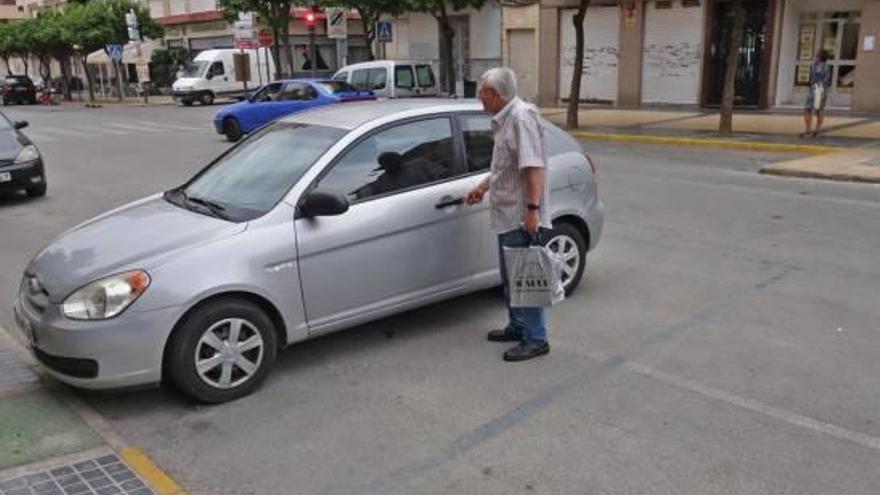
[(170, 127), (66, 132), (98, 130), (132, 127)]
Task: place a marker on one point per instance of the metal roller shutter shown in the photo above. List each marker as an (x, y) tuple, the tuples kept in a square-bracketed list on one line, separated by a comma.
[(601, 44), (673, 50)]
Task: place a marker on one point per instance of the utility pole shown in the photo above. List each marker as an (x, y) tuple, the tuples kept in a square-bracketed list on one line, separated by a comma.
[(310, 22)]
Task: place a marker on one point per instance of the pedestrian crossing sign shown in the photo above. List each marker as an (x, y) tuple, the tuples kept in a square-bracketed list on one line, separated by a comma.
[(115, 52), (383, 31)]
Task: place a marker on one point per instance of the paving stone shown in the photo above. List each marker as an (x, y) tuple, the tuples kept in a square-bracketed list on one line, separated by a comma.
[(46, 488), (18, 491), (115, 468), (108, 490), (100, 482), (77, 489), (105, 475), (33, 479), (142, 491), (93, 474), (68, 480), (132, 485), (107, 460), (13, 483), (62, 471), (85, 466), (123, 476)]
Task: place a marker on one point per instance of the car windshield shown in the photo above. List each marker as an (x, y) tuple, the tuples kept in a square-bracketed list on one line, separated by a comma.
[(16, 80), (335, 87), (250, 180), (5, 124), (195, 69)]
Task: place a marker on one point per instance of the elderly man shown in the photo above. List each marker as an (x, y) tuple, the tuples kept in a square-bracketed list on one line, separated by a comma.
[(518, 193)]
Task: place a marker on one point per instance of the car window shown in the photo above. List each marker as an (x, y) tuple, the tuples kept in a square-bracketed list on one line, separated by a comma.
[(253, 177), (378, 77), (425, 75), (403, 77), (360, 79), (478, 141), (395, 159), (217, 69), (336, 87), (268, 92), (342, 76), (558, 141), (297, 92)]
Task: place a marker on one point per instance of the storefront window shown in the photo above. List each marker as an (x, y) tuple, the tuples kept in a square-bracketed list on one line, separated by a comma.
[(837, 33)]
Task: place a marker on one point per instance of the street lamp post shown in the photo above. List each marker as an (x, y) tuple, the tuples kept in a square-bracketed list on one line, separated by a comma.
[(313, 64)]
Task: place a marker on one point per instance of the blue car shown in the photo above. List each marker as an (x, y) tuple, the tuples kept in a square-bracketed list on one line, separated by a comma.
[(281, 98)]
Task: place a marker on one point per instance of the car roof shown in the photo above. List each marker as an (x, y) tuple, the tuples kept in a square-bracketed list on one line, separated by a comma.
[(380, 63), (353, 115)]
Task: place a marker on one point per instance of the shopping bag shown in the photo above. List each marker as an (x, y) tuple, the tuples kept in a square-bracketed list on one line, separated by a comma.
[(818, 96), (534, 275)]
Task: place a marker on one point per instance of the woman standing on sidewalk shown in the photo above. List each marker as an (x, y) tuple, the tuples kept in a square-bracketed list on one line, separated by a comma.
[(820, 82)]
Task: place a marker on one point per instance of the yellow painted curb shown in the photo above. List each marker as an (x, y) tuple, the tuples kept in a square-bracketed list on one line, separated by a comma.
[(161, 483), (810, 149)]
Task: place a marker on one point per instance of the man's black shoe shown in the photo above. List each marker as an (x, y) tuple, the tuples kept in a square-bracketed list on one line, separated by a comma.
[(526, 350), (504, 335)]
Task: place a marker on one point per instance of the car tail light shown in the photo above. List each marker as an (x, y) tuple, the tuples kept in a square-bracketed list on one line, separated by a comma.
[(592, 164)]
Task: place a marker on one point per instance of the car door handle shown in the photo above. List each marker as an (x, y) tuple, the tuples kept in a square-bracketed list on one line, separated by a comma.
[(447, 202)]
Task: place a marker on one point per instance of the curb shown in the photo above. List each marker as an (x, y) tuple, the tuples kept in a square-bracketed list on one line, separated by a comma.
[(138, 461), (810, 149), (806, 174)]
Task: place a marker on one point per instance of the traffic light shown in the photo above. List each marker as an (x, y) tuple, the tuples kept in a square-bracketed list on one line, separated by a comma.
[(310, 21)]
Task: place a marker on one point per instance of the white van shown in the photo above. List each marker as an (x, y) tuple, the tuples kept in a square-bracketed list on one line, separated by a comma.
[(391, 78), (212, 74)]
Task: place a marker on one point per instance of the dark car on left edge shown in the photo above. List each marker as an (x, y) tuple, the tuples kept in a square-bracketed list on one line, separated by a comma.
[(18, 89), (21, 166)]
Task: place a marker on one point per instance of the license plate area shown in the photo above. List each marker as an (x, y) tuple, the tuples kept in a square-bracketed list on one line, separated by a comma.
[(5, 177)]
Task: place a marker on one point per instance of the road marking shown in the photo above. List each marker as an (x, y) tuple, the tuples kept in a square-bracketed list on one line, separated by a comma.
[(149, 472), (132, 127), (98, 130), (170, 127), (66, 132)]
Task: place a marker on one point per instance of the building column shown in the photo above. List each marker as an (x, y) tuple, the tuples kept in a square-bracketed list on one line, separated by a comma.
[(632, 40), (548, 59), (866, 89)]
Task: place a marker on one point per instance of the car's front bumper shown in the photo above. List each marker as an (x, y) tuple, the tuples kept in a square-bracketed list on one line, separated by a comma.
[(22, 176), (125, 351)]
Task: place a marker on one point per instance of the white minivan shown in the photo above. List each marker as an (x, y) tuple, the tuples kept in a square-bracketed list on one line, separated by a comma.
[(391, 78), (212, 74)]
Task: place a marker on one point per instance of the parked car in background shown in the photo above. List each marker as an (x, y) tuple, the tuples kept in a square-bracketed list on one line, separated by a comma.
[(212, 74), (391, 78), (18, 89), (282, 98), (21, 166), (321, 221)]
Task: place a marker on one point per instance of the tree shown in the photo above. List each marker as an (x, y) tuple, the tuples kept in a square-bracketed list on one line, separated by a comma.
[(371, 11), (6, 50), (22, 37), (732, 66), (574, 96), (163, 65), (441, 10), (276, 13)]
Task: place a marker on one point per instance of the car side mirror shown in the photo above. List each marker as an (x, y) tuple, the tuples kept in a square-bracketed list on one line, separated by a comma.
[(323, 204), (21, 124)]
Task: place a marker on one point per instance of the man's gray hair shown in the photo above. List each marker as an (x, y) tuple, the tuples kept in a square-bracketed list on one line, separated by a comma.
[(502, 80)]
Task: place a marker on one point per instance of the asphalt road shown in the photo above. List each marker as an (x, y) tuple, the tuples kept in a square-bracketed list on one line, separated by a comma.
[(725, 342)]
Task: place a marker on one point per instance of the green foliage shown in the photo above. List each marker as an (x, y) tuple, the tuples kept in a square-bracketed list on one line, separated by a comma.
[(164, 63)]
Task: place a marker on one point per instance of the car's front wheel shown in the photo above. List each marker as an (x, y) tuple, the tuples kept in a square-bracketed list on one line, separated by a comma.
[(232, 129), (207, 99), (221, 351), (37, 191), (567, 240)]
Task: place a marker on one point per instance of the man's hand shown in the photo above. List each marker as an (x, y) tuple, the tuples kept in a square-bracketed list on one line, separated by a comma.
[(532, 221), (475, 196)]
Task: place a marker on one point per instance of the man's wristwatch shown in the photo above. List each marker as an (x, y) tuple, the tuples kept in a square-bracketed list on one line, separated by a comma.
[(533, 207)]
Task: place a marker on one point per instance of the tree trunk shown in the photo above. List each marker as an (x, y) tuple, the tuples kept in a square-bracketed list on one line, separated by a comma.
[(369, 32), (571, 120), (89, 82), (119, 88), (733, 56), (276, 52), (6, 61), (447, 64), (64, 62), (288, 54), (24, 60)]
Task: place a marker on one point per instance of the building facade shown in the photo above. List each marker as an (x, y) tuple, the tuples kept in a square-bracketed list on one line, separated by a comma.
[(673, 52)]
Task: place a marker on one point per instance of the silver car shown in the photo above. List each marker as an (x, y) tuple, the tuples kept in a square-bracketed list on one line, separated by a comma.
[(319, 222)]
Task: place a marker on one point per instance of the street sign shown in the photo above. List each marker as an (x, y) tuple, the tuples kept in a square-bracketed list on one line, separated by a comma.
[(383, 31), (114, 51), (132, 24), (337, 23), (245, 44), (265, 38), (242, 30), (143, 71)]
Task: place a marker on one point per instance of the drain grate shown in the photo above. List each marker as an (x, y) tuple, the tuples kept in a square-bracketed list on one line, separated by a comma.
[(106, 475)]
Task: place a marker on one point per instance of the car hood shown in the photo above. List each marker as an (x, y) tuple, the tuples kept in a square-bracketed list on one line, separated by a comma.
[(235, 108), (137, 235), (10, 145), (186, 82)]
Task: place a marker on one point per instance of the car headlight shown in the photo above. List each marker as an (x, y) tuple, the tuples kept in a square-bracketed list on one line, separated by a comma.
[(107, 297), (27, 154)]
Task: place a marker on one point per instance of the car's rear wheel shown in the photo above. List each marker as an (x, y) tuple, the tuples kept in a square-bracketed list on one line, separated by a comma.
[(232, 129), (37, 191), (567, 240), (207, 99), (221, 351)]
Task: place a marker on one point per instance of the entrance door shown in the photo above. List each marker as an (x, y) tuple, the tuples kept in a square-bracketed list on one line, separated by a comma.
[(837, 33), (521, 47), (751, 76)]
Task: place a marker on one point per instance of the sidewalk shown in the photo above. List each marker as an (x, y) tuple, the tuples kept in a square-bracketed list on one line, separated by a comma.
[(848, 149), (154, 101), (51, 443)]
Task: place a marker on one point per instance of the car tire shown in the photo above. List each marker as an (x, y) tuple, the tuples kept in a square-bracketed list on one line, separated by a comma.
[(186, 103), (232, 130), (207, 99), (207, 334), (570, 240), (37, 191)]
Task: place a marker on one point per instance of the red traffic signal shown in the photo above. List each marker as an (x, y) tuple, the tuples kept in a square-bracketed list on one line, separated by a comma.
[(310, 20)]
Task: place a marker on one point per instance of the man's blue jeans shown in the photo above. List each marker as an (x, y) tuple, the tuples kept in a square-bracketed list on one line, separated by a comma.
[(531, 323)]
